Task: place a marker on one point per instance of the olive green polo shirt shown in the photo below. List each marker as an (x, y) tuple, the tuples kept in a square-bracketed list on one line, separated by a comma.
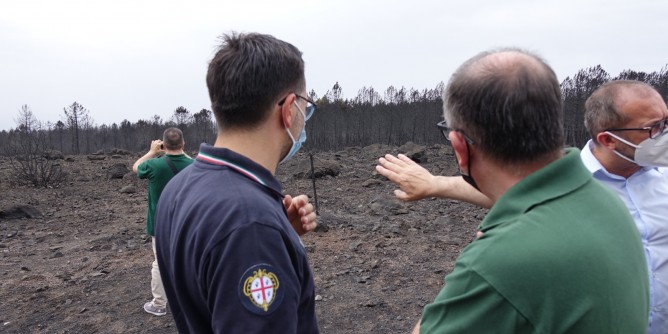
[(158, 173), (560, 254)]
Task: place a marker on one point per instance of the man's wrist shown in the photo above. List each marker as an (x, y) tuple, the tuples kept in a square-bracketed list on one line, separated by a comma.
[(438, 187)]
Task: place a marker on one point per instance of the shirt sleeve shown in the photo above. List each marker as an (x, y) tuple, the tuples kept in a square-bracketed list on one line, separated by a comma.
[(253, 284), (469, 304), (144, 170)]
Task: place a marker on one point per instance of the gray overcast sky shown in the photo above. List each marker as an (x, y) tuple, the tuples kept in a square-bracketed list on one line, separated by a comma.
[(132, 59)]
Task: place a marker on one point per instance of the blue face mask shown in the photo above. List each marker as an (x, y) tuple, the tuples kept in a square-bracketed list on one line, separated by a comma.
[(296, 144)]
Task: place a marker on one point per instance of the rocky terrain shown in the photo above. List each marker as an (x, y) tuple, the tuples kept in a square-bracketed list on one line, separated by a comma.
[(79, 260)]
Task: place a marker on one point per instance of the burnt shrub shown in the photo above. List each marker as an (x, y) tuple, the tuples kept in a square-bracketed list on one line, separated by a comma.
[(29, 157)]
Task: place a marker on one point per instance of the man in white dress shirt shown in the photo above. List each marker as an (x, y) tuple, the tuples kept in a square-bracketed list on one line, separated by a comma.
[(628, 153)]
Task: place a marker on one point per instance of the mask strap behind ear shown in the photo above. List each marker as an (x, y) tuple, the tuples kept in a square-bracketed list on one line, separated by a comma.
[(622, 140), (624, 157)]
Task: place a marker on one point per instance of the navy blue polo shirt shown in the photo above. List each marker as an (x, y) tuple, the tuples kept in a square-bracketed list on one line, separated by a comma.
[(229, 259)]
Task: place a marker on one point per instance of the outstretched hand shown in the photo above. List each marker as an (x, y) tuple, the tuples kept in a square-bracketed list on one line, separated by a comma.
[(414, 181), (301, 213)]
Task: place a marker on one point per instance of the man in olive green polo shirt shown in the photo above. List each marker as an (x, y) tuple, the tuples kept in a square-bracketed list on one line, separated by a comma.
[(158, 171), (559, 253)]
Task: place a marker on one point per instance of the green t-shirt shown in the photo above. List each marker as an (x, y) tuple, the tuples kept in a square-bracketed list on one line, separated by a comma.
[(158, 173), (560, 254)]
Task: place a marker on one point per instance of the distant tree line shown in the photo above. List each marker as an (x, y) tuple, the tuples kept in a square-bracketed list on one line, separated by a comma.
[(77, 133), (393, 117)]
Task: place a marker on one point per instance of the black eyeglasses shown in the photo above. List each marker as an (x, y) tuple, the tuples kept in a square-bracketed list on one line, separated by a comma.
[(310, 106), (654, 130), (445, 130)]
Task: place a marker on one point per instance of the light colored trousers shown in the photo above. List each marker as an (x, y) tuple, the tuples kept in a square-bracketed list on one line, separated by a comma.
[(159, 297)]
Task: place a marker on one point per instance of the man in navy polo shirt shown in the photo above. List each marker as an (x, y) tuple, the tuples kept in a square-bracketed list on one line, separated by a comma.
[(227, 238)]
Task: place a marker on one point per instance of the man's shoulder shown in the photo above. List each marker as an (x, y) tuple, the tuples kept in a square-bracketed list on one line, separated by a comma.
[(182, 157), (657, 175), (153, 161), (157, 162), (187, 160), (221, 191), (544, 227), (146, 168), (216, 215)]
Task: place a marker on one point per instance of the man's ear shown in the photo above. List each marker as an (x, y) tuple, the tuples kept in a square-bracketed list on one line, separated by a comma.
[(461, 149), (606, 140), (287, 114)]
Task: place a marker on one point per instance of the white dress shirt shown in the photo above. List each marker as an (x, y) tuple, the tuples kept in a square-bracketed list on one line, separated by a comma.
[(645, 193)]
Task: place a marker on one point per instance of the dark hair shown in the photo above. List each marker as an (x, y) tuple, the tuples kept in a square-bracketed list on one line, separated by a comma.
[(248, 75), (172, 139), (508, 102), (601, 110)]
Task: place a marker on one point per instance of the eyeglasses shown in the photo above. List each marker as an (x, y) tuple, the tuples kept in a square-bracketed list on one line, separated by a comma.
[(445, 130), (654, 130), (310, 106)]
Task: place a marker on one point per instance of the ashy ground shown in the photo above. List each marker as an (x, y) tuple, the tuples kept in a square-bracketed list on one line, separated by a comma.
[(84, 266)]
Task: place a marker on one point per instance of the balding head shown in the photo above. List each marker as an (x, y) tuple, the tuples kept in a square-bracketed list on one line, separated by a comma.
[(509, 103), (172, 139), (603, 107)]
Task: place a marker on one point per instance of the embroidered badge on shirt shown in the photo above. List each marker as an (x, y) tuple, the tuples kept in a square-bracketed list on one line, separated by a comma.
[(260, 291)]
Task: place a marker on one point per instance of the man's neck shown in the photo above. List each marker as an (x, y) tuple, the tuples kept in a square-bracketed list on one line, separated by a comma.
[(174, 152), (500, 177), (614, 164), (253, 145)]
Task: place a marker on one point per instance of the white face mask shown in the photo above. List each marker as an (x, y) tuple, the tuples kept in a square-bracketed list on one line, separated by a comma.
[(296, 144), (650, 152)]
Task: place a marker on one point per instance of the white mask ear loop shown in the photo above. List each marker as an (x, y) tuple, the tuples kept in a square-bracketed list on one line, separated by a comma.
[(625, 157), (623, 140)]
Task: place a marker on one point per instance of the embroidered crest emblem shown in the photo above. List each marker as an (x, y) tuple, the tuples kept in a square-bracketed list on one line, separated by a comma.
[(261, 289)]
